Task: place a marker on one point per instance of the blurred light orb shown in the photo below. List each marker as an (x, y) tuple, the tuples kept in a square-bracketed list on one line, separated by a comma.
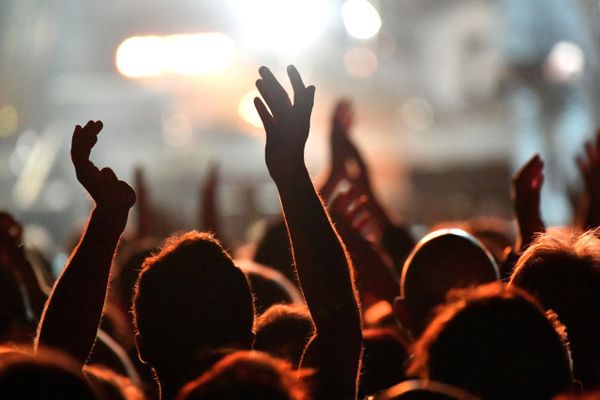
[(417, 114), (188, 55), (247, 111), (565, 62), (9, 121), (361, 19), (282, 25), (141, 56), (361, 62)]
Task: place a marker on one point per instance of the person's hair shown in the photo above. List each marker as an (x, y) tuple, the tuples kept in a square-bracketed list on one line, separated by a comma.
[(246, 375), (189, 298), (495, 342), (48, 375), (269, 286), (110, 384), (562, 270), (443, 260), (283, 331)]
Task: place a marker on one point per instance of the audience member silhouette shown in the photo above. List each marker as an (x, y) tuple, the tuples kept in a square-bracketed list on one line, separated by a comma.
[(562, 270)]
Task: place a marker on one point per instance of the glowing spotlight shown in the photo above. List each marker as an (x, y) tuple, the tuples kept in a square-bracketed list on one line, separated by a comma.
[(190, 54), (361, 62), (361, 19), (141, 56), (282, 25), (247, 110), (9, 121), (199, 54), (565, 62)]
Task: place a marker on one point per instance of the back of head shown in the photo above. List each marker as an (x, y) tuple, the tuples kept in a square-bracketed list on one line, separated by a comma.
[(495, 342), (269, 286), (562, 270), (441, 261), (383, 362), (273, 249), (191, 298), (423, 389), (246, 375), (283, 331), (49, 375)]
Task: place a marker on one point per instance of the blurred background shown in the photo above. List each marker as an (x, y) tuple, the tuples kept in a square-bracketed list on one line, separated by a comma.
[(451, 96)]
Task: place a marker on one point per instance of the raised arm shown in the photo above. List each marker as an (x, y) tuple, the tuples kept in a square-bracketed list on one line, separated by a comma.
[(589, 166), (527, 187), (323, 266), (73, 311)]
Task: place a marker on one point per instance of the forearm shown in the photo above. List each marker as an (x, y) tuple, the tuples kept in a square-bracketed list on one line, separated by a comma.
[(72, 314), (319, 255)]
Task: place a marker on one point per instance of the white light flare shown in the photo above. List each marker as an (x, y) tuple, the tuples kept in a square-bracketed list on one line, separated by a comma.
[(188, 55), (565, 62), (361, 19), (284, 26)]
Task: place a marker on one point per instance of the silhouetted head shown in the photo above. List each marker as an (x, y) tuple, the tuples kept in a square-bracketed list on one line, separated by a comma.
[(562, 270), (273, 250), (497, 343), (283, 331), (441, 261), (383, 361), (111, 385), (190, 298), (246, 375), (269, 286), (48, 375), (423, 389)]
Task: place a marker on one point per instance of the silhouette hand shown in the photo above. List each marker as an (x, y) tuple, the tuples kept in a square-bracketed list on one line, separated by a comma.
[(527, 186), (286, 124), (107, 191)]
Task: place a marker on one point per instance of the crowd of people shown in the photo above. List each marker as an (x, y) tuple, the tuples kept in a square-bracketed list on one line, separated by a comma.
[(337, 302)]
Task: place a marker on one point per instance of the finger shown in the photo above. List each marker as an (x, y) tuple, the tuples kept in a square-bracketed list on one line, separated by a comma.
[(297, 85), (263, 113), (277, 107), (309, 101), (278, 93), (108, 174)]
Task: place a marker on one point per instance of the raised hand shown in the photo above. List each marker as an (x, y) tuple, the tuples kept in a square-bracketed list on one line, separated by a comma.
[(589, 166), (286, 124), (527, 187), (104, 187)]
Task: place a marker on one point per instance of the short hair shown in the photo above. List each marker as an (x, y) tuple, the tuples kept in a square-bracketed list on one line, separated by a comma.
[(47, 375), (443, 260), (495, 342), (561, 268), (283, 331), (190, 298), (246, 375)]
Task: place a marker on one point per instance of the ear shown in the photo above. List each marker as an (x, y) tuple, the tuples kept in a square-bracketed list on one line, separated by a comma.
[(402, 315), (139, 344)]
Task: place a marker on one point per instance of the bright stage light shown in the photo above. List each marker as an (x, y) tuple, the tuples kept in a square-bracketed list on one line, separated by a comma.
[(361, 19), (191, 54), (247, 110), (141, 56), (565, 62), (282, 25)]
